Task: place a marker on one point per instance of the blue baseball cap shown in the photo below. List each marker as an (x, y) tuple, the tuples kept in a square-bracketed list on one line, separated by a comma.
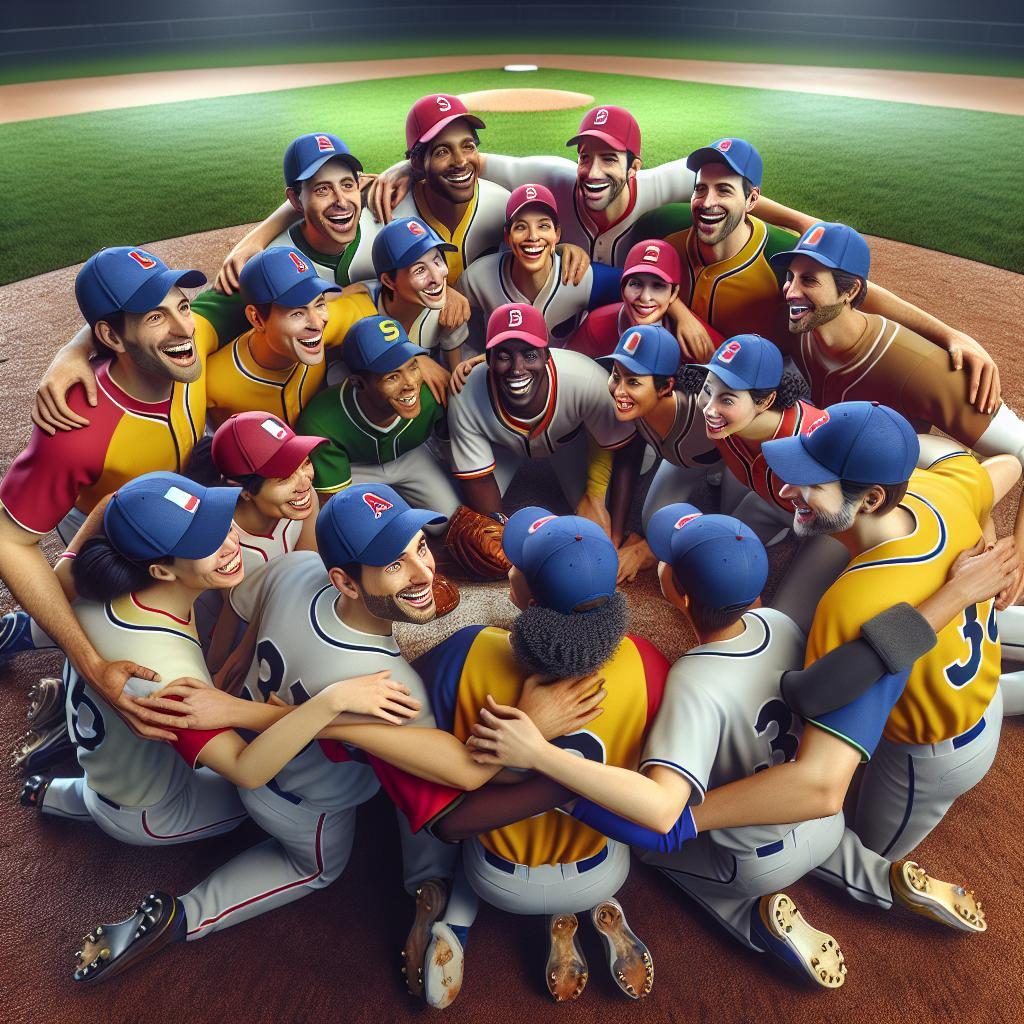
[(567, 560), (863, 442), (746, 362), (370, 524), (836, 246), (737, 154), (403, 242), (283, 276), (160, 514), (378, 344), (128, 279), (647, 350), (716, 559), (308, 153)]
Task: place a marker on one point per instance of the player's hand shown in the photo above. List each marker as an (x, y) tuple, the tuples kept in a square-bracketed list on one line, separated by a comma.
[(985, 387), (377, 695), (109, 679), (575, 263), (227, 280), (456, 309), (50, 411), (506, 736), (388, 190), (232, 673), (194, 704), (635, 555), (596, 511), (436, 377), (983, 571), (461, 373), (694, 340), (562, 707)]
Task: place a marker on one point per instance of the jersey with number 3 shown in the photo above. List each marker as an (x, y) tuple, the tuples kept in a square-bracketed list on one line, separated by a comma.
[(950, 687)]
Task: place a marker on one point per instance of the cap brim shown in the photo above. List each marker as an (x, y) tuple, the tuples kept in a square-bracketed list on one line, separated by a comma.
[(303, 293), (347, 158), (153, 291), (391, 358), (415, 252), (619, 145), (517, 529), (725, 375), (647, 268), (290, 456), (436, 129), (631, 364), (514, 335), (213, 519), (662, 526), (790, 461), (782, 260), (709, 155), (394, 538)]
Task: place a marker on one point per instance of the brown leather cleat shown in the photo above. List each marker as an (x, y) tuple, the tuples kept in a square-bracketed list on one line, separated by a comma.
[(566, 972), (446, 595), (46, 703), (630, 960), (431, 899)]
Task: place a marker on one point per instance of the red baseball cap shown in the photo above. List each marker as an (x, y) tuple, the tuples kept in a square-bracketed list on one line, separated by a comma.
[(654, 256), (257, 442), (517, 321), (614, 125), (432, 114), (528, 195)]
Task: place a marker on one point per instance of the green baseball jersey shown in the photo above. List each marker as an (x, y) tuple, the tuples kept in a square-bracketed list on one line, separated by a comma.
[(353, 438)]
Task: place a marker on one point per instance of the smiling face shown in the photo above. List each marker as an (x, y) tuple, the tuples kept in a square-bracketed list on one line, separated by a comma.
[(726, 410), (452, 162), (403, 590), (424, 283), (602, 174), (330, 203), (532, 237), (811, 295), (288, 497), (220, 571), (634, 394), (820, 509), (718, 204), (297, 333), (646, 298), (520, 371), (385, 394)]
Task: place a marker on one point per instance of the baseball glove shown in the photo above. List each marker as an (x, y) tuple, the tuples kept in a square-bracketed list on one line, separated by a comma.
[(475, 543)]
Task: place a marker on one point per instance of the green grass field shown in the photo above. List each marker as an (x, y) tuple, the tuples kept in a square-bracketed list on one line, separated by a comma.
[(928, 176)]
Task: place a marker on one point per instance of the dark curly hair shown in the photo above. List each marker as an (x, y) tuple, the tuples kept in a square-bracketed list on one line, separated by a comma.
[(791, 389)]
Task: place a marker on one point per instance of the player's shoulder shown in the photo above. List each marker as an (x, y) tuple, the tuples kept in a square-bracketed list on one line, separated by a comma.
[(323, 409), (297, 570), (776, 239), (577, 366), (492, 193), (955, 474)]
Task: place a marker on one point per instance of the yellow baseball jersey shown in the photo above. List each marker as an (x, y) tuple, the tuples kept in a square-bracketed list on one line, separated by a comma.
[(237, 383), (950, 687), (478, 660)]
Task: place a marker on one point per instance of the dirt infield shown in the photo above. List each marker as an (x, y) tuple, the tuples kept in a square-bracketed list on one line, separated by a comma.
[(26, 101), (516, 101)]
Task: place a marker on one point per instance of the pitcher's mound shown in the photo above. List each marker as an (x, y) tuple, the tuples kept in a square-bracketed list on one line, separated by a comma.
[(508, 101)]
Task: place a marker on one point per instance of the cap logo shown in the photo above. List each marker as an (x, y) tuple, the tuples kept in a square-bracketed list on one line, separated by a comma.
[(724, 146), (651, 254), (276, 430), (815, 236), (189, 502), (729, 352), (531, 192), (300, 265), (632, 343), (324, 144), (390, 330), (142, 259), (819, 422), (538, 523), (444, 104), (377, 505), (416, 228), (601, 117), (515, 318), (681, 522)]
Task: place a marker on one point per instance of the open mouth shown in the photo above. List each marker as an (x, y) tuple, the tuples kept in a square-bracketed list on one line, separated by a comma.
[(460, 179), (418, 597), (796, 312), (596, 188), (645, 312), (183, 353), (408, 401), (232, 567), (341, 220), (301, 503), (532, 252), (714, 424), (624, 405), (519, 386), (803, 514), (711, 218), (434, 292), (311, 344)]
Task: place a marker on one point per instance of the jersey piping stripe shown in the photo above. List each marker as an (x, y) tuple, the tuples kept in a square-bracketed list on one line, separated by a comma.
[(959, 454), (156, 417), (281, 888), (909, 808), (274, 382), (473, 473), (327, 638), (114, 620), (732, 273), (177, 836), (692, 779), (766, 640), (910, 559)]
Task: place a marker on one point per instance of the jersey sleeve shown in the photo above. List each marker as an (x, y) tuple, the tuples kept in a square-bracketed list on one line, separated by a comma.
[(441, 671), (453, 337), (605, 286), (472, 454), (512, 171), (342, 314), (667, 183), (332, 467), (246, 599), (224, 313), (471, 281), (970, 478), (419, 800)]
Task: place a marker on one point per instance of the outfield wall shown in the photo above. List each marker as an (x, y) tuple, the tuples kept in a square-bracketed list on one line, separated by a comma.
[(70, 26)]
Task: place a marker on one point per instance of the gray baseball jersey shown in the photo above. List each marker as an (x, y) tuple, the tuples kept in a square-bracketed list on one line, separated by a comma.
[(258, 550), (686, 444), (354, 264)]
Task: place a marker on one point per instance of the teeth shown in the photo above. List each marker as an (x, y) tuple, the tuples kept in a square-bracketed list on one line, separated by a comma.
[(341, 218), (410, 401), (303, 502), (596, 188), (179, 350), (232, 567), (522, 384), (311, 342), (422, 596), (711, 218), (459, 179)]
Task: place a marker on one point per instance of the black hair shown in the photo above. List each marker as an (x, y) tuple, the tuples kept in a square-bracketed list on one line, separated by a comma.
[(573, 644), (710, 620), (690, 379), (353, 569), (791, 389), (115, 321), (894, 493), (102, 573), (845, 282), (748, 187), (263, 308), (203, 470), (420, 150)]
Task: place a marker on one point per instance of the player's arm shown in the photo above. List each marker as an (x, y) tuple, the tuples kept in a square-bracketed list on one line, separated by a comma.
[(1005, 471), (696, 340), (70, 366), (592, 505), (634, 552), (774, 212), (253, 241)]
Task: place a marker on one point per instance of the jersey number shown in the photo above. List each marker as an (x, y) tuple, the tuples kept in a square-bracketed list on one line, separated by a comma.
[(963, 670), (86, 720), (775, 721), (270, 674)]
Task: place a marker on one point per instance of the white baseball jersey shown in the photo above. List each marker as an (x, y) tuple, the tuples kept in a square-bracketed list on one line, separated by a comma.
[(302, 647), (686, 444), (653, 187), (426, 330), (258, 549), (723, 718), (481, 230), (578, 399), (354, 264)]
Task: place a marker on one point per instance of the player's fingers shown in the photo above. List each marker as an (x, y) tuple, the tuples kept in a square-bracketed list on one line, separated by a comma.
[(40, 422), (584, 683), (995, 394), (409, 709), (162, 704), (502, 710), (986, 399), (58, 408), (386, 716), (485, 760), (49, 412), (135, 669), (593, 700), (589, 716), (956, 359)]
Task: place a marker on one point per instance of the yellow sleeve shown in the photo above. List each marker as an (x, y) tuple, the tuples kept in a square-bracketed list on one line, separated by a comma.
[(970, 479), (343, 313), (207, 339), (599, 469)]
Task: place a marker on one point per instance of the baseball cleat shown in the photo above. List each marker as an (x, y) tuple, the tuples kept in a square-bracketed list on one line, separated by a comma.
[(945, 902), (566, 971), (630, 960), (444, 964), (15, 634), (46, 703), (779, 928), (431, 898), (38, 749), (110, 949), (33, 791), (446, 595)]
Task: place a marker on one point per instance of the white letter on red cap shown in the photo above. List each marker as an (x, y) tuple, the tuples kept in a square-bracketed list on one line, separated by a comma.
[(515, 318), (601, 117)]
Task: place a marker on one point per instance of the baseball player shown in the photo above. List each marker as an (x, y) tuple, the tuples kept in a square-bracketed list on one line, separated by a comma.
[(534, 403), (726, 252)]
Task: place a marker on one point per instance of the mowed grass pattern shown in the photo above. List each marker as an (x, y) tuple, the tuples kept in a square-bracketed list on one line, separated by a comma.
[(928, 176)]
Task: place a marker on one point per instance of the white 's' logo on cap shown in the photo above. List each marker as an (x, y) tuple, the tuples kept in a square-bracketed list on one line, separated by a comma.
[(444, 104), (531, 192), (538, 523), (724, 146), (815, 236), (601, 117), (276, 430), (324, 144), (632, 343), (681, 522), (377, 505), (515, 318), (651, 254), (728, 353), (416, 228), (142, 259), (189, 502)]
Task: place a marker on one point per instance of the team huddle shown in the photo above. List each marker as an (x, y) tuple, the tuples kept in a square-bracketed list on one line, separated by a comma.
[(255, 482)]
